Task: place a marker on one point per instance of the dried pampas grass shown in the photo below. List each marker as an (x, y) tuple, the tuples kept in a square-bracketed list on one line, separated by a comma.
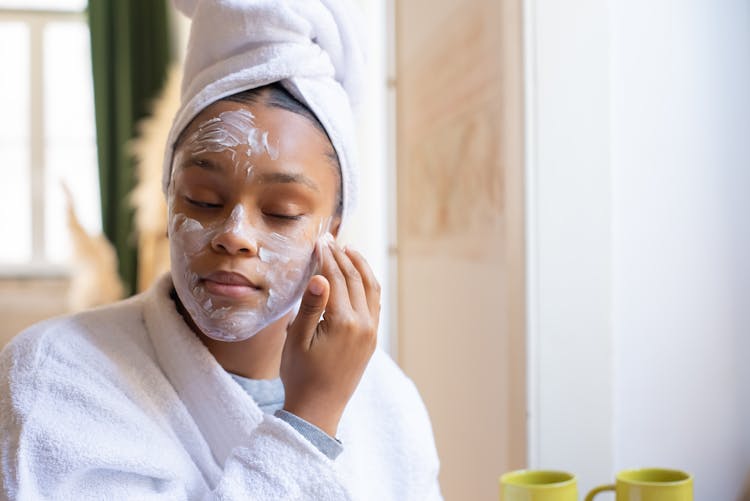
[(94, 280), (147, 197)]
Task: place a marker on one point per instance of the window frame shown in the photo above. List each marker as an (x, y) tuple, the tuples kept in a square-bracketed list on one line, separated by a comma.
[(38, 266)]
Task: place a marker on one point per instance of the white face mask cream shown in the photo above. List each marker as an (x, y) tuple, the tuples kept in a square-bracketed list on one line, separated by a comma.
[(234, 277)]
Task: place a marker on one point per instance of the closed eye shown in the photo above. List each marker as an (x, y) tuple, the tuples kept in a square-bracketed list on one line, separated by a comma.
[(201, 204), (285, 217)]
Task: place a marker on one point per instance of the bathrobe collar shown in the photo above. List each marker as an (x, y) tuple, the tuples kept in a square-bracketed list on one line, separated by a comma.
[(224, 412)]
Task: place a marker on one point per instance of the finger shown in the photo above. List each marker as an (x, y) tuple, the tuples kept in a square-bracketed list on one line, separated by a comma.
[(314, 300), (317, 257), (338, 302), (371, 284), (354, 284)]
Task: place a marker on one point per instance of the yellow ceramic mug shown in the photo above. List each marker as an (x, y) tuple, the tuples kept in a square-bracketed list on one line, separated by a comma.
[(649, 484), (538, 485)]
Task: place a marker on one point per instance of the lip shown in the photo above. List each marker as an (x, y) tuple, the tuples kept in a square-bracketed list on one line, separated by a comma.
[(229, 284)]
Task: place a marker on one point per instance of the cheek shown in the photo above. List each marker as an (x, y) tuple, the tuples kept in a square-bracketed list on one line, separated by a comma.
[(290, 259), (285, 255), (188, 237)]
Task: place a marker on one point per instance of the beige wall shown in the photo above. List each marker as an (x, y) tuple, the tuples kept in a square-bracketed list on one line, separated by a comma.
[(27, 301), (460, 232)]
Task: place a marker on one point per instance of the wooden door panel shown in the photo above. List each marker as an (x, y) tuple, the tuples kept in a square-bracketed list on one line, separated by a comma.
[(460, 232)]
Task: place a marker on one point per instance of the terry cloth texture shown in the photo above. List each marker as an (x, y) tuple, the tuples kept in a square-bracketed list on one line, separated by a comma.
[(125, 402)]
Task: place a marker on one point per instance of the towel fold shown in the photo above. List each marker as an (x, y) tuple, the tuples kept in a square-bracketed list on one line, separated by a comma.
[(312, 47)]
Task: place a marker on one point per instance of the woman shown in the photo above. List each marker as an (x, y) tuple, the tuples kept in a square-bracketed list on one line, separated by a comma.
[(250, 371)]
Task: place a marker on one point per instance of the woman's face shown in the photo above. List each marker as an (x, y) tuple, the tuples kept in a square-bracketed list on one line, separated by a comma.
[(253, 189)]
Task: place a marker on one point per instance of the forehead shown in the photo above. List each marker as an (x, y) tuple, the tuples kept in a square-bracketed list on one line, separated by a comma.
[(229, 123)]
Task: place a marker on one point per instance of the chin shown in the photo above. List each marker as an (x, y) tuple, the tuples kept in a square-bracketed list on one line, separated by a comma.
[(234, 323)]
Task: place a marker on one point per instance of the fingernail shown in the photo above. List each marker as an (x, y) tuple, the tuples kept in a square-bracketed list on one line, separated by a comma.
[(316, 288)]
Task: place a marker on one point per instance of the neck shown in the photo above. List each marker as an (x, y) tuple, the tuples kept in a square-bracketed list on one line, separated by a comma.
[(258, 357)]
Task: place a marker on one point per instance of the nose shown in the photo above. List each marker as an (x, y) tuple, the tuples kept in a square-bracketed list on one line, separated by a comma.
[(231, 243), (235, 238), (234, 243)]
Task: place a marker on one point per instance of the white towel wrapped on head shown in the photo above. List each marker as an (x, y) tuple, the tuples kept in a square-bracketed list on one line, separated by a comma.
[(311, 46)]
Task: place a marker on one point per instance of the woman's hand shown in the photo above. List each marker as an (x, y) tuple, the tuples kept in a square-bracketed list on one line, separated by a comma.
[(323, 360)]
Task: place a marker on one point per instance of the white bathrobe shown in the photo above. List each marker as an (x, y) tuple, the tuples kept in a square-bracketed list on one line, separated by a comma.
[(125, 402)]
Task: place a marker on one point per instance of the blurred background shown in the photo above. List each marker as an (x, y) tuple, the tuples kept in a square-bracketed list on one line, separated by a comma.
[(554, 197)]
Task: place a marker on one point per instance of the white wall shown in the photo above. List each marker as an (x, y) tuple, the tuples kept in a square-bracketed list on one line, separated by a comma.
[(639, 237), (681, 220), (368, 230), (569, 242)]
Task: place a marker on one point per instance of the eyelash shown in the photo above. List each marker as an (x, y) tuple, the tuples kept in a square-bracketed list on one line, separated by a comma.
[(202, 205), (285, 218), (206, 205)]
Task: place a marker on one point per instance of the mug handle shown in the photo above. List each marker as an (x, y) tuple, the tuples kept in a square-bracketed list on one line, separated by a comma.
[(597, 490)]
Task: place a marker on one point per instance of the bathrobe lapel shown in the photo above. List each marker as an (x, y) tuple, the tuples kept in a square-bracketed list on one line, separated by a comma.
[(225, 414)]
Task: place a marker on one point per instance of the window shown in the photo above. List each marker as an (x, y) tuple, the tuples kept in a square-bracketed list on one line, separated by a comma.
[(47, 131)]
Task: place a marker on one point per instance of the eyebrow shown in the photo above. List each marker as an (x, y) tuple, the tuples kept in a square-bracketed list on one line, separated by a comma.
[(283, 178), (271, 177), (202, 164)]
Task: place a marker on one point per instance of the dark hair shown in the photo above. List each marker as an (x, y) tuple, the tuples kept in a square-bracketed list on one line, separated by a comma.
[(276, 96)]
